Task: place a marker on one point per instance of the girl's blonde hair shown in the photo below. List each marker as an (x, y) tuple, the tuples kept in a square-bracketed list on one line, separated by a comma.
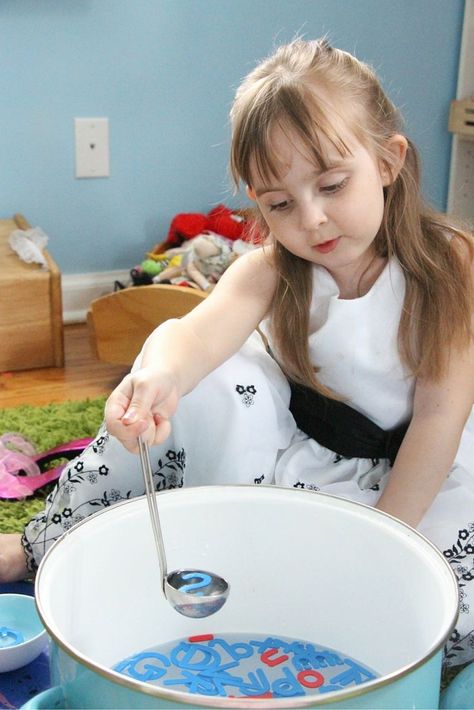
[(288, 91)]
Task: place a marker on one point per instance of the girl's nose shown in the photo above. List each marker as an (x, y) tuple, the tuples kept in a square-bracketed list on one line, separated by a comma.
[(312, 216)]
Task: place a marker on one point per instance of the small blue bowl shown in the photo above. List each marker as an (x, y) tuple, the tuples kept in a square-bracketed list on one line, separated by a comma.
[(22, 635)]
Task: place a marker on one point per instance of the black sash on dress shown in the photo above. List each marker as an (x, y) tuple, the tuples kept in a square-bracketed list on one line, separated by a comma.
[(342, 429)]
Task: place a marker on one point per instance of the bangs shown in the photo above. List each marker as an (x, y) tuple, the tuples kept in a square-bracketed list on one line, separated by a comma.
[(298, 113)]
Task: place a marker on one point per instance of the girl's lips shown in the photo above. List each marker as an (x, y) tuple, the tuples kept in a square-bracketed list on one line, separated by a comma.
[(326, 247)]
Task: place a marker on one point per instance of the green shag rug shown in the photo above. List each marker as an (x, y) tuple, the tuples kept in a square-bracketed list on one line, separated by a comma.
[(46, 427)]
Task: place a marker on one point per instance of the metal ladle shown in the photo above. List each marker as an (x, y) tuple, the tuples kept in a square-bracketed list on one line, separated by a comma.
[(191, 592)]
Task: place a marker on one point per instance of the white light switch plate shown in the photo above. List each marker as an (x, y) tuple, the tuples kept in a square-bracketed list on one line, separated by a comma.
[(92, 147)]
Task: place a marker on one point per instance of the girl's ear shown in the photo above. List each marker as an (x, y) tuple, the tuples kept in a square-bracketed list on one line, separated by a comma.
[(251, 193), (397, 146)]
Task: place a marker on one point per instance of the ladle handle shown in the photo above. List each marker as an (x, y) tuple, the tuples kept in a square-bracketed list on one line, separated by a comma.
[(152, 506)]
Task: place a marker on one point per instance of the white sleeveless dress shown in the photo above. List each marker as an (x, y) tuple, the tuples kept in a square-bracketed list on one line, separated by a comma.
[(354, 344), (236, 427)]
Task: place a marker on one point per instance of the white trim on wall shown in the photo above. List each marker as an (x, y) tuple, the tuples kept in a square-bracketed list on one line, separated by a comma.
[(78, 290)]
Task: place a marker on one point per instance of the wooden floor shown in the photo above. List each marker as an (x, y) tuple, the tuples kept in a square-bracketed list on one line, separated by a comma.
[(83, 376)]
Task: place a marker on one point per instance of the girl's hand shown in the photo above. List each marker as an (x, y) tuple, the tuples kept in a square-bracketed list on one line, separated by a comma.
[(142, 404)]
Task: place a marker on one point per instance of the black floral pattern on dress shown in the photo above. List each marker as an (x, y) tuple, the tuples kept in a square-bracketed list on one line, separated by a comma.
[(65, 507), (306, 486), (100, 442), (247, 394), (460, 556), (170, 471), (30, 560)]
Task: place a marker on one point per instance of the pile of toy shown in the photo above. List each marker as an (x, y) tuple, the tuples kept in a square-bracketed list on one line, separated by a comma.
[(198, 249)]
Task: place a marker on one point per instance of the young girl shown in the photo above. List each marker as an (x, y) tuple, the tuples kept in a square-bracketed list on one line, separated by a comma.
[(363, 384)]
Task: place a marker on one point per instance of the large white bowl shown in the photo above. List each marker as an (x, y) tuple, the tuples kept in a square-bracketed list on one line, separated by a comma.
[(299, 564)]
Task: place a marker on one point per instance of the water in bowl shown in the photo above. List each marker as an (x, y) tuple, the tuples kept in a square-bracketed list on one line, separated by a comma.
[(245, 665)]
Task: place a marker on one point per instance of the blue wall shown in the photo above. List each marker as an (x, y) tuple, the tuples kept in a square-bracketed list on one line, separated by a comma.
[(164, 73)]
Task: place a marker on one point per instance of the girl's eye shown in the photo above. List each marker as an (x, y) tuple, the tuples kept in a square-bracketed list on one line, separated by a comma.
[(280, 206), (336, 187)]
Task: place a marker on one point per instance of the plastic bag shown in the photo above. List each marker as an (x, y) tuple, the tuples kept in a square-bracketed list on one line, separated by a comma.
[(29, 245)]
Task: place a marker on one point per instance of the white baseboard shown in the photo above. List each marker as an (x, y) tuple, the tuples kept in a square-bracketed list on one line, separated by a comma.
[(78, 290)]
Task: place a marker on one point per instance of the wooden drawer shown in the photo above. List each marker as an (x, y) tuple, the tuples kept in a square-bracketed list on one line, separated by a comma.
[(31, 326)]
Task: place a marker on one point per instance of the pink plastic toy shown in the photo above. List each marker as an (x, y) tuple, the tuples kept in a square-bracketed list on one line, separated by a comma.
[(19, 454)]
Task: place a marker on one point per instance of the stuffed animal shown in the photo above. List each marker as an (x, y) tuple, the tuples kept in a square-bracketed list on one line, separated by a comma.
[(220, 220), (202, 261), (220, 236)]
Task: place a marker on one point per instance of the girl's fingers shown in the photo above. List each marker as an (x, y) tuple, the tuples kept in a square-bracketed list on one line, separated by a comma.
[(118, 402), (142, 399), (162, 429), (139, 408), (153, 433)]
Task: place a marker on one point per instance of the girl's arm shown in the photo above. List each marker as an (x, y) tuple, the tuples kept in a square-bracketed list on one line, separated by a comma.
[(427, 453), (180, 353)]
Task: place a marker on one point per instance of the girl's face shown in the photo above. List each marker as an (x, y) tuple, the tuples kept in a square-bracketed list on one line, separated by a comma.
[(329, 217)]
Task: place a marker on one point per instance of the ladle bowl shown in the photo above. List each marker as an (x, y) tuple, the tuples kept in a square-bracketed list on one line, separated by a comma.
[(196, 604), (191, 592)]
